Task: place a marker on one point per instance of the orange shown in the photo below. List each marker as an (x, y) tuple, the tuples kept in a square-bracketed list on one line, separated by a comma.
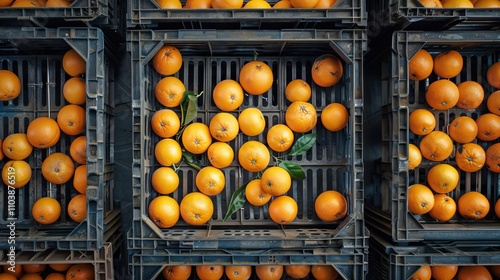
[(326, 70), (476, 272), (46, 210), (80, 179), (497, 208), (304, 3), (470, 157), (442, 95), (198, 4), (43, 132), (473, 205), (11, 85), (58, 3), (77, 208), (196, 138), (448, 64), (325, 4), (463, 129), (169, 91), (167, 61), (414, 157), (256, 77), (269, 272), (16, 173), (16, 146), (280, 138), (443, 178), (444, 208), (487, 4), (227, 4), (493, 157), (55, 276), (60, 266), (470, 95), (283, 209), (420, 65), (209, 272), (34, 268), (58, 168), (298, 90), (334, 117), (31, 276), (257, 4), (78, 150), (224, 127), (283, 4), (210, 180), (301, 116), (436, 146), (297, 271), (421, 121), (220, 154), (168, 152), (431, 3), (25, 3), (251, 121), (238, 272), (488, 127), (164, 211), (444, 272), (81, 272), (196, 208), (165, 123), (423, 273), (177, 272), (276, 181), (228, 95), (255, 194), (165, 180), (74, 91), (7, 276), (169, 4), (253, 156), (73, 64), (324, 272), (5, 3), (72, 119), (493, 75), (330, 206), (420, 199), (493, 102), (16, 271), (457, 4)]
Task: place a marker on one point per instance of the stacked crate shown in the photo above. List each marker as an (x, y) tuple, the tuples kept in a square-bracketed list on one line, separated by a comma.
[(403, 242), (33, 45), (215, 44)]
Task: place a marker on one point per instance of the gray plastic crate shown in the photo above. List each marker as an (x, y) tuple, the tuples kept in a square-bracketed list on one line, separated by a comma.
[(387, 261), (149, 264), (35, 54), (395, 97), (336, 159), (411, 14), (343, 14)]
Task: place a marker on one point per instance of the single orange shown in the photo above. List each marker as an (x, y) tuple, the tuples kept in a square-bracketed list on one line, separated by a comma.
[(463, 129), (324, 272), (431, 3), (444, 272), (327, 69), (421, 121), (280, 138), (73, 64), (420, 65), (476, 272), (238, 272), (330, 206), (167, 61), (269, 272), (283, 4), (255, 194), (224, 127), (170, 4), (436, 146), (196, 138), (75, 91), (414, 157), (493, 75), (46, 210), (209, 272), (16, 271), (11, 85), (497, 208), (60, 266), (58, 168), (444, 208), (220, 154), (256, 77), (72, 119), (442, 94), (487, 4), (80, 179), (78, 150), (77, 208), (443, 178), (470, 157), (227, 4), (81, 271), (334, 116), (276, 181), (304, 3), (301, 116), (165, 180), (228, 95), (16, 173), (58, 3), (164, 211), (470, 95), (473, 205), (493, 102), (251, 121), (5, 3), (253, 156), (493, 157), (420, 199), (34, 268), (43, 132), (325, 4), (488, 127), (448, 64), (423, 273), (196, 208), (177, 272), (7, 276), (165, 123), (210, 180), (25, 4), (16, 146), (283, 210), (168, 152), (298, 90), (198, 4), (31, 276), (257, 4), (169, 91), (55, 276), (297, 271)]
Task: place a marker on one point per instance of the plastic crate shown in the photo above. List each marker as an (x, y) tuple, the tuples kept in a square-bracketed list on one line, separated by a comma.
[(149, 264), (343, 14), (211, 56), (411, 14), (35, 54), (387, 261), (386, 203)]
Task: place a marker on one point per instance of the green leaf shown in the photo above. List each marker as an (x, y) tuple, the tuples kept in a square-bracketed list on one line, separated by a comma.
[(237, 201), (293, 169), (303, 144), (191, 160), (189, 107)]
